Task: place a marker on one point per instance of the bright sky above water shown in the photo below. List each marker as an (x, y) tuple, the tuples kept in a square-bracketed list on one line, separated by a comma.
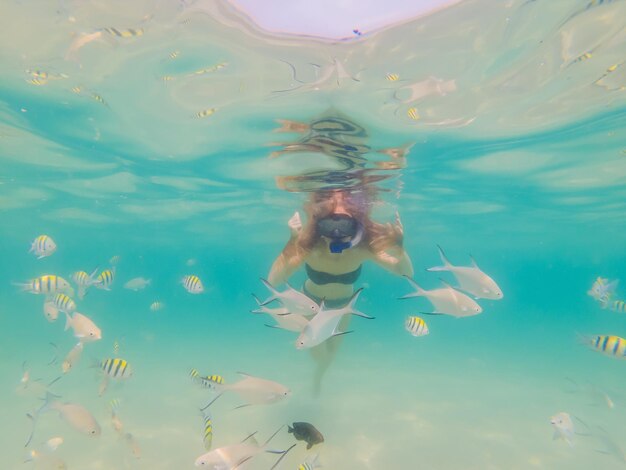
[(334, 18)]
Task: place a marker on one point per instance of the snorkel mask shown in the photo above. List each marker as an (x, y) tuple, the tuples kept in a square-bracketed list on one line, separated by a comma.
[(336, 227)]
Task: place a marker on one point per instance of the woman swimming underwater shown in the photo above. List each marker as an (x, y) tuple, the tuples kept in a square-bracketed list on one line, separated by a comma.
[(333, 244)]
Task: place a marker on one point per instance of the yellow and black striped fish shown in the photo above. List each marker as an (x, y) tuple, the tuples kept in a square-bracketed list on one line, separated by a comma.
[(208, 430), (206, 112), (617, 306), (105, 279), (193, 284), (416, 326), (413, 114), (98, 98), (207, 381), (211, 69), (116, 368), (64, 303), (610, 345), (174, 55), (310, 463), (43, 246), (392, 77), (124, 33), (46, 284)]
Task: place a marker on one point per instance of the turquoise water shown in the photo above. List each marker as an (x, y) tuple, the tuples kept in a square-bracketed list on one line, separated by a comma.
[(515, 153)]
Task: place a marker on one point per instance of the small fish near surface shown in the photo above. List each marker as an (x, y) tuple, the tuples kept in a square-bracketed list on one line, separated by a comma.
[(43, 246), (156, 306), (72, 357), (50, 311), (192, 284), (137, 284), (63, 303), (306, 432), (603, 290), (563, 427), (84, 281), (470, 278), (446, 300)]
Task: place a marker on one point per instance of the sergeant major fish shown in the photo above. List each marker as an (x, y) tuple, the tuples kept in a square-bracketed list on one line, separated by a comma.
[(416, 326), (311, 463), (84, 281), (105, 279), (446, 300), (192, 284), (63, 303), (470, 278), (46, 284), (43, 246), (117, 369), (610, 345)]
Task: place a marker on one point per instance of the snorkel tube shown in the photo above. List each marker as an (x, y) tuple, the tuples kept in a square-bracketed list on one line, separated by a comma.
[(337, 246)]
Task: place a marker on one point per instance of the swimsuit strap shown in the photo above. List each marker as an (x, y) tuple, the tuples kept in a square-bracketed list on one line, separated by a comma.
[(320, 278)]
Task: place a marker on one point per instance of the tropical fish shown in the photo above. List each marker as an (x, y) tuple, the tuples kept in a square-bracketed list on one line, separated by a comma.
[(211, 69), (192, 284), (50, 311), (616, 305), (63, 303), (84, 328), (310, 463), (174, 55), (447, 301), (294, 301), (156, 306), (602, 290), (75, 415), (610, 345), (416, 326), (137, 284), (124, 33), (46, 284), (105, 279), (324, 325), (470, 278), (413, 114), (563, 427), (284, 320), (114, 260), (207, 419), (392, 77), (72, 357), (206, 112), (43, 246), (117, 369), (83, 281), (206, 381), (255, 390), (233, 456), (306, 432)]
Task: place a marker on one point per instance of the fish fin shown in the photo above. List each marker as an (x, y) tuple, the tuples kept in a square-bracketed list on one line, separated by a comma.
[(289, 429), (418, 290), (361, 314), (258, 301), (54, 359), (445, 283), (241, 462), (437, 269), (272, 436), (211, 402), (244, 374), (54, 381), (41, 256), (284, 452), (308, 446), (68, 321), (353, 299), (32, 433), (474, 263), (444, 258), (339, 333), (241, 406), (275, 327), (249, 436), (432, 313), (274, 292)]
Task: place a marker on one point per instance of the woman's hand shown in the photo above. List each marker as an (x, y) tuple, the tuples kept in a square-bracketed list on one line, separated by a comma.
[(295, 225)]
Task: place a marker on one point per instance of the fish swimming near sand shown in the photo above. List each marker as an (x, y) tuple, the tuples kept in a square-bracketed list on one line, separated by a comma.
[(306, 432)]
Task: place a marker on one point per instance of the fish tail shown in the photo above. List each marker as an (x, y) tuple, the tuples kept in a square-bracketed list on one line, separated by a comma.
[(32, 432), (419, 292), (68, 321), (24, 286), (272, 436), (443, 257), (353, 300), (272, 290), (282, 455)]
